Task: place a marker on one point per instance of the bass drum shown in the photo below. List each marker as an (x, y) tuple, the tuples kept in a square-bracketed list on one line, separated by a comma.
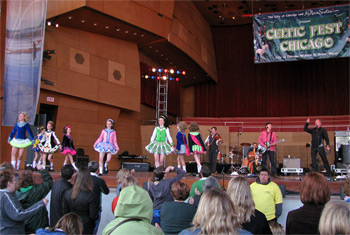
[(245, 162)]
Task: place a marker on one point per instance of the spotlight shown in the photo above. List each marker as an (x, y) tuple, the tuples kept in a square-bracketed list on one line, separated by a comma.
[(165, 71), (178, 72), (153, 77), (146, 76), (56, 25), (154, 70), (160, 70), (172, 71), (158, 78), (49, 23), (177, 79), (164, 78), (184, 72), (171, 78)]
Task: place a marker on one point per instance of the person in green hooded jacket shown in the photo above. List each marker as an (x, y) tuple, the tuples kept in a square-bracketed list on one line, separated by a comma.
[(135, 204), (30, 193)]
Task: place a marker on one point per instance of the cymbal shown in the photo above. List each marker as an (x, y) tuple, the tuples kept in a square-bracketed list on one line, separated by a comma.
[(245, 144), (236, 152)]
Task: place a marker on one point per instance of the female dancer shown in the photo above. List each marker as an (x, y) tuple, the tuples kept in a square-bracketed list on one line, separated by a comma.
[(68, 147), (47, 145), (106, 143), (196, 144), (36, 149), (181, 145), (159, 145), (18, 138)]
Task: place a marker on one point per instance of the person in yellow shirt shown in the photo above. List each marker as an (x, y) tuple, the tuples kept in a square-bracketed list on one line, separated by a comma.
[(267, 196)]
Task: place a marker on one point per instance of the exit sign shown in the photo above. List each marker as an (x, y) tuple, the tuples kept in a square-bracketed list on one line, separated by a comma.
[(50, 99)]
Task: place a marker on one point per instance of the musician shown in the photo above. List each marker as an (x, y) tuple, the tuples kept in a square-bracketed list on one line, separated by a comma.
[(268, 136), (212, 142), (253, 151), (319, 134)]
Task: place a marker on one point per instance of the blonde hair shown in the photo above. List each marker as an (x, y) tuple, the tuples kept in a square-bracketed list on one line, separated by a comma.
[(276, 228), (335, 218), (347, 188), (129, 181), (242, 198), (26, 116), (122, 174), (182, 126), (216, 214)]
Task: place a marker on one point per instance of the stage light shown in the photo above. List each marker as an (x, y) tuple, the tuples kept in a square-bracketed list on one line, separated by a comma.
[(178, 72), (170, 78), (49, 23), (184, 72), (146, 76), (165, 71), (154, 70), (153, 77), (158, 78), (56, 25), (172, 71), (177, 79), (160, 70), (164, 78)]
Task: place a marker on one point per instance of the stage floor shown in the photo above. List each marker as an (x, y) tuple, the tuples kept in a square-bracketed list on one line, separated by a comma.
[(292, 183)]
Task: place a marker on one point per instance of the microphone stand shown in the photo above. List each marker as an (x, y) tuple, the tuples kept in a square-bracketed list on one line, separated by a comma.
[(223, 178)]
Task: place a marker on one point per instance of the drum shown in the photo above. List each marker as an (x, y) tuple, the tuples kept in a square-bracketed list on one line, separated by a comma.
[(219, 157), (251, 156), (245, 162)]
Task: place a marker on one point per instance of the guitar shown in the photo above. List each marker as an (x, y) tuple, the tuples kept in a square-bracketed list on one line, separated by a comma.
[(262, 149)]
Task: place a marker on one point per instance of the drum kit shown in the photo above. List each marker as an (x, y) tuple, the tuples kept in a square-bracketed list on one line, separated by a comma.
[(240, 163)]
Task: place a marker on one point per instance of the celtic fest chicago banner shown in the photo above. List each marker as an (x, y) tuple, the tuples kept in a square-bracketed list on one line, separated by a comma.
[(318, 33), (25, 27)]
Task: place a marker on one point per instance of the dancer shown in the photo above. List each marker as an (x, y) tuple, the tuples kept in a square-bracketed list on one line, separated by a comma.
[(106, 143), (36, 149), (196, 144), (181, 145), (18, 138), (68, 147), (47, 145), (159, 145)]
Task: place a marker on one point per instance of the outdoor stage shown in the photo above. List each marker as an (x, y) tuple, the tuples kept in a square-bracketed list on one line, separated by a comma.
[(292, 183)]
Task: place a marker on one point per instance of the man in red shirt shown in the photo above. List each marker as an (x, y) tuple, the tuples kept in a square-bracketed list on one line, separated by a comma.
[(267, 139)]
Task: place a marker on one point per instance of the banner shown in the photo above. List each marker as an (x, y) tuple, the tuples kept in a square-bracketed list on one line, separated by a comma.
[(25, 28), (302, 35)]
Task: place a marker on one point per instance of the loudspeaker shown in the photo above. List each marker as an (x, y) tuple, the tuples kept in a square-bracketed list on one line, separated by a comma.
[(137, 166), (191, 167), (291, 162), (223, 167)]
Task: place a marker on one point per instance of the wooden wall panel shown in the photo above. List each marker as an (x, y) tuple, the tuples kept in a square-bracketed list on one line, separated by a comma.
[(55, 8), (188, 101)]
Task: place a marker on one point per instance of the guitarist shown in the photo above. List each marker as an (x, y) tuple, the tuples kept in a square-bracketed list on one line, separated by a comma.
[(212, 142), (319, 134), (267, 139)]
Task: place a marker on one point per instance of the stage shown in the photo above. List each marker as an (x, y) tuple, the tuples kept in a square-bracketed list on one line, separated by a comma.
[(292, 183)]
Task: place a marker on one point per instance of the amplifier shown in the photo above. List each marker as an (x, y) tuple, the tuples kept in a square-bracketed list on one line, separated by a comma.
[(292, 170), (137, 166), (291, 162)]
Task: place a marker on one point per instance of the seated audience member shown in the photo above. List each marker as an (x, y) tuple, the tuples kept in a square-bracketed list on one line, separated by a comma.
[(6, 166), (276, 228), (121, 175), (160, 189), (30, 193), (177, 215), (314, 194), (81, 200), (215, 215), (69, 224), (205, 173), (133, 214), (99, 187), (128, 181), (210, 182), (57, 193), (335, 218), (267, 196), (12, 214), (347, 191), (251, 219)]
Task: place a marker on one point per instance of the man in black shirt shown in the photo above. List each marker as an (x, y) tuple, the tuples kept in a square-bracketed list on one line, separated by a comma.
[(319, 134)]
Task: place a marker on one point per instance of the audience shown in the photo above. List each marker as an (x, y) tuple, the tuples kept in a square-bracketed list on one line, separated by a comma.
[(314, 194), (267, 196), (215, 215), (177, 215), (160, 189), (276, 228), (347, 191), (121, 175), (69, 224), (335, 218), (12, 214), (204, 174), (29, 193), (210, 182), (251, 219), (57, 193), (99, 187), (128, 181), (133, 214), (81, 200)]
